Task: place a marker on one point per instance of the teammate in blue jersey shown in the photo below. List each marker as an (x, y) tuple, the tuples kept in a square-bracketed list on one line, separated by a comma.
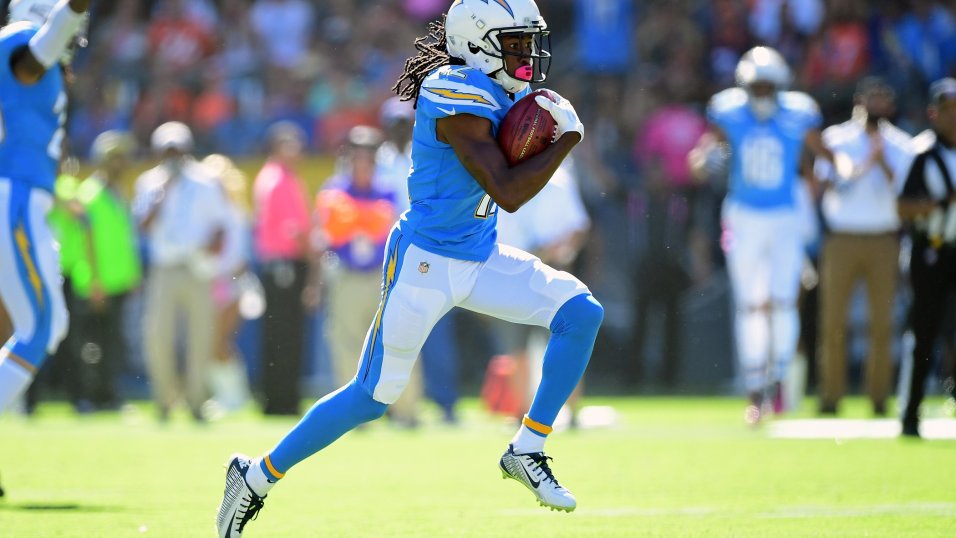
[(760, 131), (443, 252), (39, 36)]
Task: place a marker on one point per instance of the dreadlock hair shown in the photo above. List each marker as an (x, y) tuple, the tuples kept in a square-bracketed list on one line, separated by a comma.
[(432, 54)]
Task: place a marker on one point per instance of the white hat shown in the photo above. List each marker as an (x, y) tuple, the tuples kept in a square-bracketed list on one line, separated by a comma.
[(111, 142), (172, 135)]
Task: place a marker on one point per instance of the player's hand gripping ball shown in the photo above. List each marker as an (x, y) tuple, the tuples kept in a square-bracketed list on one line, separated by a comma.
[(527, 129)]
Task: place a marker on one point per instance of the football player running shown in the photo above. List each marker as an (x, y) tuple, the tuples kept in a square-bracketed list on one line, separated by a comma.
[(759, 130), (443, 252), (35, 47), (39, 35)]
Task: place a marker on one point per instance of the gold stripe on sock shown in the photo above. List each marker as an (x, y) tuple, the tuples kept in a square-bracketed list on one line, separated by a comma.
[(272, 469), (536, 426)]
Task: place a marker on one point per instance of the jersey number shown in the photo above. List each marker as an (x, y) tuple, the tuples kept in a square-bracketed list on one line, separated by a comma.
[(55, 148), (762, 162), (486, 208)]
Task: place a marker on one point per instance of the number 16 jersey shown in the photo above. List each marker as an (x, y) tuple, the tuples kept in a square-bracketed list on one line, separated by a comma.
[(450, 214), (31, 116), (765, 154)]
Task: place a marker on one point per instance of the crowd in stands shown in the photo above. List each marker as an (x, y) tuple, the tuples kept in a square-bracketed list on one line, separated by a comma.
[(639, 73)]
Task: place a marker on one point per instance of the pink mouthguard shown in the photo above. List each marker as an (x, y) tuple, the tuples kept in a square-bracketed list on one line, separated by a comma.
[(525, 72)]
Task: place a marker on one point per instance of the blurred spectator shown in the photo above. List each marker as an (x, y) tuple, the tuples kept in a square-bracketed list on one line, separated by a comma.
[(838, 56), (394, 156), (786, 24), (929, 199), (183, 216), (283, 28), (227, 370), (927, 36), (179, 41), (106, 272), (661, 215), (354, 217), (605, 36), (212, 108), (282, 226), (725, 23), (861, 243)]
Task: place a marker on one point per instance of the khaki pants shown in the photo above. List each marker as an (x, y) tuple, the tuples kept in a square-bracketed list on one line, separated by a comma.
[(174, 294), (353, 299), (846, 260)]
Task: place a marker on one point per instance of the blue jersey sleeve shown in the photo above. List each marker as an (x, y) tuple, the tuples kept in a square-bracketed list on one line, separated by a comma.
[(802, 109), (728, 109), (452, 90)]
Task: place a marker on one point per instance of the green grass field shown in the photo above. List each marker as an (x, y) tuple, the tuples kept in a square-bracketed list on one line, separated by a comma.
[(673, 467)]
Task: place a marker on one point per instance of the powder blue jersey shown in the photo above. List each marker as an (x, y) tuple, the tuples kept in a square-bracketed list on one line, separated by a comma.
[(765, 153), (31, 117), (450, 213)]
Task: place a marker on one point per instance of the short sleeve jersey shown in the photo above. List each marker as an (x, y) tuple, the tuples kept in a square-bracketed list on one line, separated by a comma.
[(450, 213), (765, 153), (31, 116)]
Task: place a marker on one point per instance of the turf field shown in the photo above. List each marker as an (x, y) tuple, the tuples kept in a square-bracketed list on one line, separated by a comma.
[(672, 467)]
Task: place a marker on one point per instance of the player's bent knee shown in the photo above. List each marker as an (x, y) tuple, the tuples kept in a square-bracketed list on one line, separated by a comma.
[(364, 407), (582, 313)]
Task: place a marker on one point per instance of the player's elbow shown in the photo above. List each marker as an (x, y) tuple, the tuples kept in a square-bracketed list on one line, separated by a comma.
[(508, 202), (509, 207)]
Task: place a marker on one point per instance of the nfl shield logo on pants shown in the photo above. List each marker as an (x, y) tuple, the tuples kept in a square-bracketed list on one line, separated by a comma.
[(423, 267)]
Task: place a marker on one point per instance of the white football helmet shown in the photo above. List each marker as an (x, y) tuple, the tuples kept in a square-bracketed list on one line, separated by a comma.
[(472, 29), (763, 64), (37, 11)]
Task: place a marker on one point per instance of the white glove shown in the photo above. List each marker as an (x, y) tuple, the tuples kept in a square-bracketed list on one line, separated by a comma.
[(564, 115)]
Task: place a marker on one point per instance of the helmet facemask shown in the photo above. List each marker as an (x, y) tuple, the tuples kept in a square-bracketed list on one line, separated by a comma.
[(540, 56)]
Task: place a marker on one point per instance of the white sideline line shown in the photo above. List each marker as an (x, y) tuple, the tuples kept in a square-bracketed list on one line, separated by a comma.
[(836, 428), (783, 512), (901, 509)]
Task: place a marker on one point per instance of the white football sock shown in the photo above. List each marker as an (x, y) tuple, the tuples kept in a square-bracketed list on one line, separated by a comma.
[(526, 441), (784, 332), (257, 479), (753, 346), (14, 379)]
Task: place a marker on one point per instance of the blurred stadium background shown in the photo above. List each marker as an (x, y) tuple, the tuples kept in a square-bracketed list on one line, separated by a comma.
[(640, 74)]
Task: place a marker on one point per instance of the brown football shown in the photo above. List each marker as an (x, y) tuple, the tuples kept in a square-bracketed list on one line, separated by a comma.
[(527, 129)]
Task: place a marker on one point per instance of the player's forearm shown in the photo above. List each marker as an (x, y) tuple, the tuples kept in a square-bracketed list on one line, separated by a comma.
[(514, 186), (49, 44)]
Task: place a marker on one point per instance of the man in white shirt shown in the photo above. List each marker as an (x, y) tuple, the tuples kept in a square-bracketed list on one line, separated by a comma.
[(182, 214), (861, 244)]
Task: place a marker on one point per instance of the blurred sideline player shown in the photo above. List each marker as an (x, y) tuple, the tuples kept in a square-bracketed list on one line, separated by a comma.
[(759, 131), (443, 251), (39, 36)]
